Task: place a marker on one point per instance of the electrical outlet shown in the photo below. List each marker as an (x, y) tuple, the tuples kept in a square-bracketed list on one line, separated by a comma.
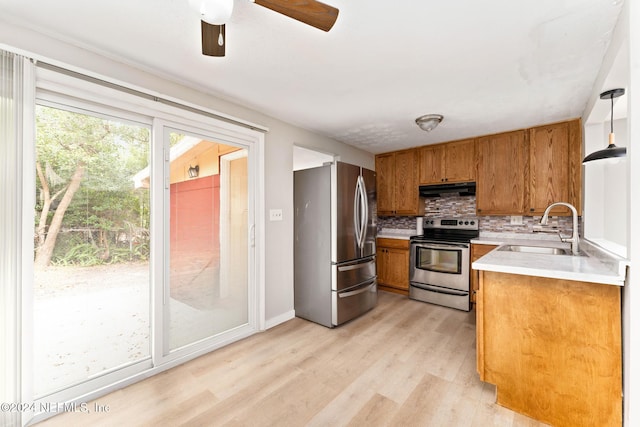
[(275, 215), (516, 219)]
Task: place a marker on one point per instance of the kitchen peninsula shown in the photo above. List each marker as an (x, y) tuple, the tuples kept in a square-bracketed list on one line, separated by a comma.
[(549, 334)]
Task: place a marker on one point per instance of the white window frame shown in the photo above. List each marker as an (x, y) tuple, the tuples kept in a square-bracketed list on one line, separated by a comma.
[(60, 88)]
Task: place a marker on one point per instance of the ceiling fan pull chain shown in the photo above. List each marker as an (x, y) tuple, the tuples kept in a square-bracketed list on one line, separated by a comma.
[(220, 39)]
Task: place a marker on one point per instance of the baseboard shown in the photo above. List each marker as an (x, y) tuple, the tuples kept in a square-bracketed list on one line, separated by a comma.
[(275, 321), (394, 290)]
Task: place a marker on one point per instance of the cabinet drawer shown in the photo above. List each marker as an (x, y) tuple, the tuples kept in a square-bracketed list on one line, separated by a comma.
[(352, 302), (393, 243)]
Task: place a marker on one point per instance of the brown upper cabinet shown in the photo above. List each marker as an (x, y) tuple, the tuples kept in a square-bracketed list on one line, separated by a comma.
[(502, 171), (555, 167), (397, 183), (523, 172), (449, 162), (516, 173)]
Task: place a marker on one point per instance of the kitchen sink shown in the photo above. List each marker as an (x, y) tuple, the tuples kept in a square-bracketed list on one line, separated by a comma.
[(535, 249)]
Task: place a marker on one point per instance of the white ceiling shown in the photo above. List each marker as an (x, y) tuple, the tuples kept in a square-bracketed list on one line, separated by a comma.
[(487, 66)]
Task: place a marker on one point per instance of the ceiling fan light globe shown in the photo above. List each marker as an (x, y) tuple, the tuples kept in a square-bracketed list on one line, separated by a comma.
[(215, 12)]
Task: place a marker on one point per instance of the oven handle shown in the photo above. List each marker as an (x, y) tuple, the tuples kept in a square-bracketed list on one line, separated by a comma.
[(443, 246), (438, 289)]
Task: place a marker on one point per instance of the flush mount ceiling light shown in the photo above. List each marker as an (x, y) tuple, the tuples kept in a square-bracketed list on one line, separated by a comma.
[(611, 151), (428, 122)]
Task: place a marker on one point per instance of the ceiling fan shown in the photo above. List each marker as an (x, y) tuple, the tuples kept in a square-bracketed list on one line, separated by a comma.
[(215, 13)]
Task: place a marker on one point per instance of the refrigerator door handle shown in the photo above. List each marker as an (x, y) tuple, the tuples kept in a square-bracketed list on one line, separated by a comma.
[(356, 212), (365, 211)]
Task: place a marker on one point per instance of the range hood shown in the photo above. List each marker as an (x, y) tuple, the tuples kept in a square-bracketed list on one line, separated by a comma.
[(463, 188)]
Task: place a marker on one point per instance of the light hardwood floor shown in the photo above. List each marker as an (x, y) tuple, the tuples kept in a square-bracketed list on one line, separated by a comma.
[(405, 363)]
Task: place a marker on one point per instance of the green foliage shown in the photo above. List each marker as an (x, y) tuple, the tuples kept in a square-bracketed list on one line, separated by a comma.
[(79, 249), (84, 254), (112, 152)]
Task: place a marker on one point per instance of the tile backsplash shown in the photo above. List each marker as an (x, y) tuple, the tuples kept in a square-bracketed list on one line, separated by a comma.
[(454, 205)]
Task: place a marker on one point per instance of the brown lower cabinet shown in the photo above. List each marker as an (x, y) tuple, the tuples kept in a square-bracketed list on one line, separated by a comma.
[(552, 347), (393, 265), (477, 251)]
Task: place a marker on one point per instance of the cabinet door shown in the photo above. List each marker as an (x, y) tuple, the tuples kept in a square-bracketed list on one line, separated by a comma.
[(460, 161), (502, 169), (398, 268), (393, 263), (554, 159), (431, 164), (406, 190), (382, 262), (385, 183)]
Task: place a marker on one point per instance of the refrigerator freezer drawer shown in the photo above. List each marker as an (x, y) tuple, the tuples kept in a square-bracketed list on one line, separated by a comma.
[(351, 303), (349, 274), (441, 296)]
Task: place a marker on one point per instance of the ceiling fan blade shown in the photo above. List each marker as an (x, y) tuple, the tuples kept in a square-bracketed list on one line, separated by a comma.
[(310, 12), (212, 35)]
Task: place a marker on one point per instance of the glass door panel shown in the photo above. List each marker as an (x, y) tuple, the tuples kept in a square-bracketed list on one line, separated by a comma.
[(91, 263), (439, 260), (208, 250)]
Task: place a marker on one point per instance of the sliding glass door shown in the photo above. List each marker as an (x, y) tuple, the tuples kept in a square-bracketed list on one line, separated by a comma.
[(143, 253), (208, 247), (91, 288)]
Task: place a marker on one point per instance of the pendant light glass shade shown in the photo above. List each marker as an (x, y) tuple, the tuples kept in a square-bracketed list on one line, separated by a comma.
[(612, 150), (215, 12)]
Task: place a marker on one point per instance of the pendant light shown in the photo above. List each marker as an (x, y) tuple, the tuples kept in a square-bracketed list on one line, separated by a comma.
[(611, 151)]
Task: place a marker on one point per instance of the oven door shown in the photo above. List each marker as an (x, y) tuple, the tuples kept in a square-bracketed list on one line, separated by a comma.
[(440, 264)]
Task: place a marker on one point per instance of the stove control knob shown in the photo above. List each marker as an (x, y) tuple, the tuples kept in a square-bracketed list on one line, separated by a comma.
[(459, 222), (473, 222)]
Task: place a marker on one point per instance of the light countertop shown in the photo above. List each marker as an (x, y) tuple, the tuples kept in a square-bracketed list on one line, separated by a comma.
[(396, 233), (596, 265)]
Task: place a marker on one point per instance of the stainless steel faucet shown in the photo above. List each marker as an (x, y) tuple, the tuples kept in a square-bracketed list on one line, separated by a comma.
[(574, 239)]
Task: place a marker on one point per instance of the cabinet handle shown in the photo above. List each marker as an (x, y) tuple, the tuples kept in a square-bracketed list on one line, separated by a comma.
[(532, 209)]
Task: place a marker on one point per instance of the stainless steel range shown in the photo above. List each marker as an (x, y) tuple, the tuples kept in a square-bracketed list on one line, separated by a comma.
[(439, 263)]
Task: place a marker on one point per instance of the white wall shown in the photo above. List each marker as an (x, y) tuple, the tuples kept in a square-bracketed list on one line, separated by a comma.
[(616, 184), (304, 158), (626, 38), (631, 320), (606, 188), (593, 185), (279, 143)]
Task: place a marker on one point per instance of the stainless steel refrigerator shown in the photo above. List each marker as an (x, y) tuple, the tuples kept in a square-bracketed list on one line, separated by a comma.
[(334, 243)]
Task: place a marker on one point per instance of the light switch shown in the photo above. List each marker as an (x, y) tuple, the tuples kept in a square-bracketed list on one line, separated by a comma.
[(516, 219), (275, 214)]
